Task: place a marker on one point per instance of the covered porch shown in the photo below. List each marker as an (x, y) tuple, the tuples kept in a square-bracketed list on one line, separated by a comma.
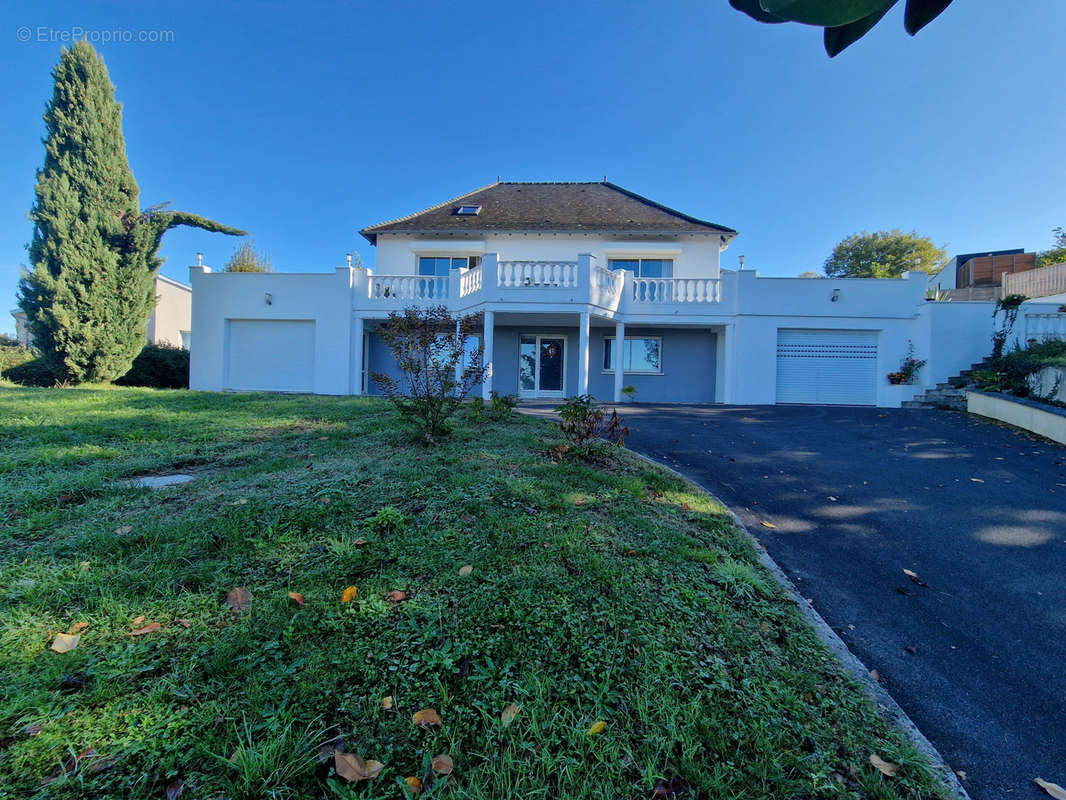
[(563, 354)]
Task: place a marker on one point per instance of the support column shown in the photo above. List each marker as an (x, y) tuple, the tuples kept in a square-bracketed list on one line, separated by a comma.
[(619, 348), (460, 365), (583, 354), (486, 384), (357, 356)]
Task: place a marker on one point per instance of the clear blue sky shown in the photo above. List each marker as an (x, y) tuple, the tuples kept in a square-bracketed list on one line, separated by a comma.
[(302, 123)]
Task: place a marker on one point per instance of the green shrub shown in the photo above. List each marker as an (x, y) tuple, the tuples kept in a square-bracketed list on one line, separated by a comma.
[(35, 372), (586, 426), (159, 366), (12, 354), (1010, 372)]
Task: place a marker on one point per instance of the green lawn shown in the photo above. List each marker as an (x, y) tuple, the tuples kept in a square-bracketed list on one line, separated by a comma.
[(617, 594)]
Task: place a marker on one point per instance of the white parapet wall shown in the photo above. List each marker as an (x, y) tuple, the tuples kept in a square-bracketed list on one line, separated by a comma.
[(275, 331), (1046, 421)]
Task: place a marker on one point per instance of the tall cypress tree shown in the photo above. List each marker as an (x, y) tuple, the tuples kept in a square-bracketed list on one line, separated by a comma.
[(94, 254)]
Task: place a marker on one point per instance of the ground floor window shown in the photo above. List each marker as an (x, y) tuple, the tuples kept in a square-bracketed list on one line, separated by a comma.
[(640, 354)]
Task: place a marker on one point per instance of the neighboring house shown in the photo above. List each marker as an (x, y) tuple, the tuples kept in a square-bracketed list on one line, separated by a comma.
[(560, 274), (979, 276), (22, 328), (170, 323)]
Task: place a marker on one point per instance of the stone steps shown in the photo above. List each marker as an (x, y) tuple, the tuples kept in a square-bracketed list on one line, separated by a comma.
[(950, 393)]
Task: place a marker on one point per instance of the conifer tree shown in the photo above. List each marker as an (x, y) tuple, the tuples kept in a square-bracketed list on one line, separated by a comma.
[(93, 258)]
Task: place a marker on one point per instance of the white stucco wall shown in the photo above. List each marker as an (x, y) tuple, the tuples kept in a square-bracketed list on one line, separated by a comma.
[(173, 313), (950, 336), (324, 299), (693, 256)]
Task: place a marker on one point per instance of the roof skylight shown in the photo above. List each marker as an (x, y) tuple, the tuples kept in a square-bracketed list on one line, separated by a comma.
[(468, 211)]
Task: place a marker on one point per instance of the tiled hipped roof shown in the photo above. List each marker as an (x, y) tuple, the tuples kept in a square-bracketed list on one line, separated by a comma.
[(549, 207)]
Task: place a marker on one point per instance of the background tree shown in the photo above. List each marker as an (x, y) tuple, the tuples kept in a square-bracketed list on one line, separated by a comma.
[(247, 259), (844, 21), (1057, 254), (94, 253), (884, 254)]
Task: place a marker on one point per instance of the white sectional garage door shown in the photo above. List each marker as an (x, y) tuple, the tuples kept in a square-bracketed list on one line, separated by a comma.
[(271, 355), (827, 367)]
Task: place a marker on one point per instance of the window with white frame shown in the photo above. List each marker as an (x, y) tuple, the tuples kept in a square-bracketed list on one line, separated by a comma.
[(440, 266), (644, 267), (640, 354)]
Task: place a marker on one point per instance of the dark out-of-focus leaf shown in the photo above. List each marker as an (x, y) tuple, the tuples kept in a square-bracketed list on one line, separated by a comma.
[(840, 37), (920, 13), (824, 13), (755, 11)]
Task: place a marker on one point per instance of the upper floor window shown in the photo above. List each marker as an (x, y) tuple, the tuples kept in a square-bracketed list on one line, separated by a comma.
[(645, 267), (442, 265)]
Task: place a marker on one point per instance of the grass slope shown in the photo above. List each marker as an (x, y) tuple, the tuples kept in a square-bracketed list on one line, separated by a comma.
[(617, 594)]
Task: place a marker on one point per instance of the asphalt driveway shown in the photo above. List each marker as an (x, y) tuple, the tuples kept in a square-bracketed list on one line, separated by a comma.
[(977, 511)]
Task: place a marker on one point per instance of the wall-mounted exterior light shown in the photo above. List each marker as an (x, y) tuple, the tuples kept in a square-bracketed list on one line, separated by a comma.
[(269, 299), (835, 296)]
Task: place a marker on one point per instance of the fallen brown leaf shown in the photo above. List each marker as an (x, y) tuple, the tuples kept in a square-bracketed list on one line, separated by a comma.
[(138, 620), (1052, 789), (426, 717), (597, 728), (78, 627), (175, 788), (875, 675), (396, 596), (297, 598), (149, 628), (508, 714), (239, 599), (886, 768), (353, 768), (386, 702), (183, 622), (123, 530), (360, 542), (64, 642), (464, 571), (414, 784), (349, 594), (766, 524), (443, 764)]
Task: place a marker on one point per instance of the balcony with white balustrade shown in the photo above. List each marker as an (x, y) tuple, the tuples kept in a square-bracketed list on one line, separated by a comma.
[(547, 286)]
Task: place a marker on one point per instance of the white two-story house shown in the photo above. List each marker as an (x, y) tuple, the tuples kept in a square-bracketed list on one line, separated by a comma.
[(581, 288)]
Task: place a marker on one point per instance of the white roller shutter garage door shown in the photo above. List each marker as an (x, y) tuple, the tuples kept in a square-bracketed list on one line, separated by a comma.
[(827, 367), (271, 355)]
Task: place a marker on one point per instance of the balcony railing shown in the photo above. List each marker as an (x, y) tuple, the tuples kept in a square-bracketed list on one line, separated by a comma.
[(582, 281), (558, 274), (408, 288), (664, 291)]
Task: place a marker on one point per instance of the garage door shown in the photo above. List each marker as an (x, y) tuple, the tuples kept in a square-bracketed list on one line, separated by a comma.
[(827, 367), (271, 355)]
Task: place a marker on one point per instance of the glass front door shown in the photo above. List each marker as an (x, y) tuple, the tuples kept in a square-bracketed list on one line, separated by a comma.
[(541, 366)]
